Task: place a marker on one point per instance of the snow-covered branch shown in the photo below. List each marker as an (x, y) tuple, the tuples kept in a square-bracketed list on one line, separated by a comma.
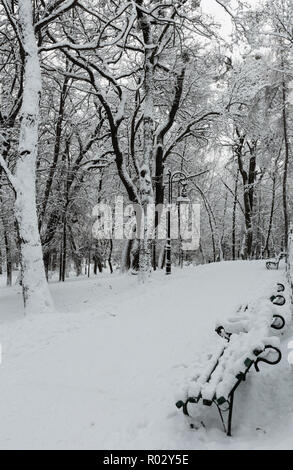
[(11, 178), (55, 12)]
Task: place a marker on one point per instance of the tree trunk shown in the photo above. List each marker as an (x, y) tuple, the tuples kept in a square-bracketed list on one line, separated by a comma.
[(274, 178), (98, 266), (8, 258), (162, 258), (266, 247), (145, 179), (248, 179), (285, 172), (110, 256), (234, 217), (46, 258), (221, 243), (247, 246), (159, 193), (64, 250), (1, 262), (36, 293), (7, 244), (76, 255)]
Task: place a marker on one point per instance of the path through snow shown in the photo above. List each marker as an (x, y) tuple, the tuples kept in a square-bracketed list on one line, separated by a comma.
[(104, 372)]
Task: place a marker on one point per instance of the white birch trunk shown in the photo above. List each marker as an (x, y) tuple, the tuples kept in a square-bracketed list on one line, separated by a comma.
[(36, 293)]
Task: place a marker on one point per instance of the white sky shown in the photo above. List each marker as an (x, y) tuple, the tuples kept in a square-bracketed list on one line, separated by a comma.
[(221, 16)]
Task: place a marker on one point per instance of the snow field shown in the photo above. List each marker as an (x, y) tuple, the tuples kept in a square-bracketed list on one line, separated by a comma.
[(105, 371)]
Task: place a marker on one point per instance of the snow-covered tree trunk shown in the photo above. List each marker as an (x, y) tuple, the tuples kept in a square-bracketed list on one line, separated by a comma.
[(145, 179), (289, 264), (36, 293)]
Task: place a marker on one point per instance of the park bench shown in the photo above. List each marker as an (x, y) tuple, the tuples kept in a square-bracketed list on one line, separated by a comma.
[(247, 315), (275, 263), (245, 343)]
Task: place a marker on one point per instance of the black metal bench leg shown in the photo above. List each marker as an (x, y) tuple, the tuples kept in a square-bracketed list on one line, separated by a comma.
[(222, 419), (230, 414)]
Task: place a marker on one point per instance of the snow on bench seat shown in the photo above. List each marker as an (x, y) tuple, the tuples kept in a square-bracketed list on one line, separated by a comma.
[(202, 372), (241, 351), (250, 316), (217, 375)]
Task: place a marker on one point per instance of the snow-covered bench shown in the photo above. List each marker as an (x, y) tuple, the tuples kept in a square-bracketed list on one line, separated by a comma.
[(219, 379), (275, 263), (246, 342), (247, 316)]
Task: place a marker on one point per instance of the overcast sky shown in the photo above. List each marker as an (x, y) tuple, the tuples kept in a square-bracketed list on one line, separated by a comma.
[(213, 8)]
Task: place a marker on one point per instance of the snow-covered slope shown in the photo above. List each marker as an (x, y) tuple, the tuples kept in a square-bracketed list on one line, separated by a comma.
[(105, 371)]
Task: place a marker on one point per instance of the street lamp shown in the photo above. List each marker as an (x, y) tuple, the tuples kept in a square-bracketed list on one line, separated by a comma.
[(181, 199)]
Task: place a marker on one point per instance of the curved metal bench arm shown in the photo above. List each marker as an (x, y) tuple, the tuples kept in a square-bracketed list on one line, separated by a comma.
[(220, 330), (282, 322), (280, 287), (278, 299), (267, 361), (272, 265)]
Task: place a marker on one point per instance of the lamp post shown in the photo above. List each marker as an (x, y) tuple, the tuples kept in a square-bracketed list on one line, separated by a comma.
[(181, 198)]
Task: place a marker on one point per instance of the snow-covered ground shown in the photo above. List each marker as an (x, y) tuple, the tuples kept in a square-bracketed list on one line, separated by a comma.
[(104, 372)]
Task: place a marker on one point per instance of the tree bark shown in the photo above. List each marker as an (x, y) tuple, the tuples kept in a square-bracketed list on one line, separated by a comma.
[(248, 180), (36, 293), (234, 217), (285, 171), (145, 179), (110, 256), (64, 250), (8, 258)]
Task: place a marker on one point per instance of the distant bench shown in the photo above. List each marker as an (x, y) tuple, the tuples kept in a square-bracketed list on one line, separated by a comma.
[(247, 341), (275, 263)]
